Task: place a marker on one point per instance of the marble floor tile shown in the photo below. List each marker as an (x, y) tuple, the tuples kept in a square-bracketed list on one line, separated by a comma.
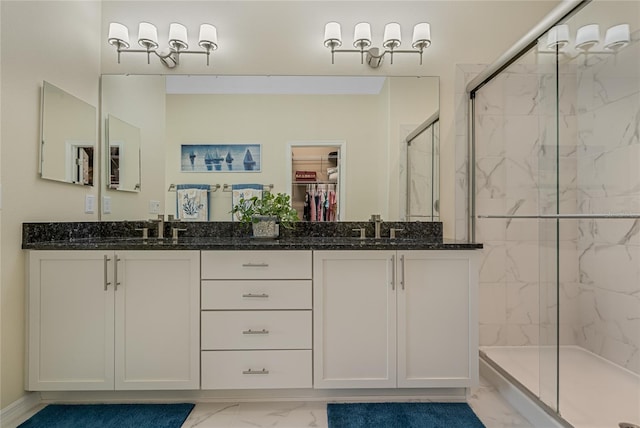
[(485, 401), (492, 409), (258, 414)]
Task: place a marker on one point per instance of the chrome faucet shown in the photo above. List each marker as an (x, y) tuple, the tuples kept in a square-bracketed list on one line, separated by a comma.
[(378, 221), (160, 222)]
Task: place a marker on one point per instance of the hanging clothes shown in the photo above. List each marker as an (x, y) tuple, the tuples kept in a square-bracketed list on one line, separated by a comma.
[(312, 205), (306, 211), (333, 204), (320, 203)]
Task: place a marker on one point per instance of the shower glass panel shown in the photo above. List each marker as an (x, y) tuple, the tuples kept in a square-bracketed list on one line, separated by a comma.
[(599, 260), (557, 203), (515, 117)]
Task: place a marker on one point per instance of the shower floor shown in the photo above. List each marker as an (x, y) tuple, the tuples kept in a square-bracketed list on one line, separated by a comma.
[(594, 393)]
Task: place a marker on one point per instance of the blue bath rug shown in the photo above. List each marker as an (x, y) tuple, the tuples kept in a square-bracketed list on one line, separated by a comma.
[(110, 416), (402, 415)]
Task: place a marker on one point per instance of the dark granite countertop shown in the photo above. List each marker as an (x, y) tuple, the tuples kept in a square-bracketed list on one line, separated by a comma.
[(226, 243), (233, 236)]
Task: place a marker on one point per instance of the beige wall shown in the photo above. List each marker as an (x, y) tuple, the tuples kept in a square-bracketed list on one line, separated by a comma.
[(33, 35), (2, 404)]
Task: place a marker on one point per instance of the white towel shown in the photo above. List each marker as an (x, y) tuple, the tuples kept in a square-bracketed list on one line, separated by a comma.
[(193, 204), (246, 194)]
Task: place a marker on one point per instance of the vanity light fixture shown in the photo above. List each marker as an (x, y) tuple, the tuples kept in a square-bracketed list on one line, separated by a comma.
[(617, 37), (392, 40), (588, 37), (178, 41), (558, 37)]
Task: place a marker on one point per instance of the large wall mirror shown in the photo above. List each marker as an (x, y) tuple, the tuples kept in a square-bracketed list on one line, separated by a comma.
[(68, 137), (370, 117)]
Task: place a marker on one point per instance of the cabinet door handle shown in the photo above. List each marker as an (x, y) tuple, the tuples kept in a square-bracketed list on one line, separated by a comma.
[(115, 273), (263, 331), (393, 272), (261, 296), (106, 274), (255, 265), (251, 371), (402, 271)]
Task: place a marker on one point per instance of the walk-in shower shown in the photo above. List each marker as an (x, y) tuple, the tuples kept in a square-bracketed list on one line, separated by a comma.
[(554, 160)]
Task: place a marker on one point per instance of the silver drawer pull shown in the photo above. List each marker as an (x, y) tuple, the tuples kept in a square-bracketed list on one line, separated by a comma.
[(255, 265), (263, 331), (250, 371), (262, 296)]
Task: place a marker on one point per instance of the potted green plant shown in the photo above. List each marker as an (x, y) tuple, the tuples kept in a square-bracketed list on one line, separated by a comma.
[(264, 213)]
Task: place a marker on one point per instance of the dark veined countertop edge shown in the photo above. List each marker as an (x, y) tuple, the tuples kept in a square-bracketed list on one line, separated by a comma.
[(234, 244), (126, 235)]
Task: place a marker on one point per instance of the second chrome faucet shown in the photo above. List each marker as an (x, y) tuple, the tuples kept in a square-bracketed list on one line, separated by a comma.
[(375, 218)]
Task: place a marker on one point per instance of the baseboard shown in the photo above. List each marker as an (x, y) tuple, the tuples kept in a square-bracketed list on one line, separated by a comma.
[(527, 406), (201, 396), (18, 408)]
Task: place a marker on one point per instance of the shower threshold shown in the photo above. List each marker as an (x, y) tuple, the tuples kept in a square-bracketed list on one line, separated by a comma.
[(594, 392)]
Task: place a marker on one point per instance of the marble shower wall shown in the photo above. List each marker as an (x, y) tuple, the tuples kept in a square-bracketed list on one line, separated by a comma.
[(598, 157), (515, 167), (608, 167)]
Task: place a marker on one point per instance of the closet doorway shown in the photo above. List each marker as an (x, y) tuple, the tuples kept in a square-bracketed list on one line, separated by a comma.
[(316, 179)]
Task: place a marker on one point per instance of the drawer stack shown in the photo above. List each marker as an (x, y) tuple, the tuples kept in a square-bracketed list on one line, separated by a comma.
[(256, 320)]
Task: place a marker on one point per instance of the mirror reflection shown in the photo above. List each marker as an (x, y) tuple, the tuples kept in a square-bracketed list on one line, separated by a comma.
[(369, 118), (68, 137), (423, 171), (123, 161)]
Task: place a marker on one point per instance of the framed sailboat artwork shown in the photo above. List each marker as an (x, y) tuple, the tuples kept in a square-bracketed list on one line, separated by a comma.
[(220, 158)]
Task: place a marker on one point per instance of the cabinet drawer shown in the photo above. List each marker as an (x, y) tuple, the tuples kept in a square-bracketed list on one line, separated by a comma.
[(256, 294), (256, 369), (256, 330), (256, 264)]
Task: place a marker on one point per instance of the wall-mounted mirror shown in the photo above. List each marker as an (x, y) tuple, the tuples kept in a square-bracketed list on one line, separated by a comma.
[(371, 116), (123, 160), (68, 137)]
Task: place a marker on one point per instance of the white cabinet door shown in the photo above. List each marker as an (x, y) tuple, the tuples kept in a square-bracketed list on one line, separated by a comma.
[(437, 319), (354, 319), (69, 320), (157, 343)]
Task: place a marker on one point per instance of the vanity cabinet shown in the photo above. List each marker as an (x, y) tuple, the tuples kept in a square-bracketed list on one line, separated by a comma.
[(104, 320), (387, 319), (256, 319)]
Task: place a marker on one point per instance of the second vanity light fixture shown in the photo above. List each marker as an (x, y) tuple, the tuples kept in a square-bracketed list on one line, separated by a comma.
[(148, 39), (391, 41), (588, 36)]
